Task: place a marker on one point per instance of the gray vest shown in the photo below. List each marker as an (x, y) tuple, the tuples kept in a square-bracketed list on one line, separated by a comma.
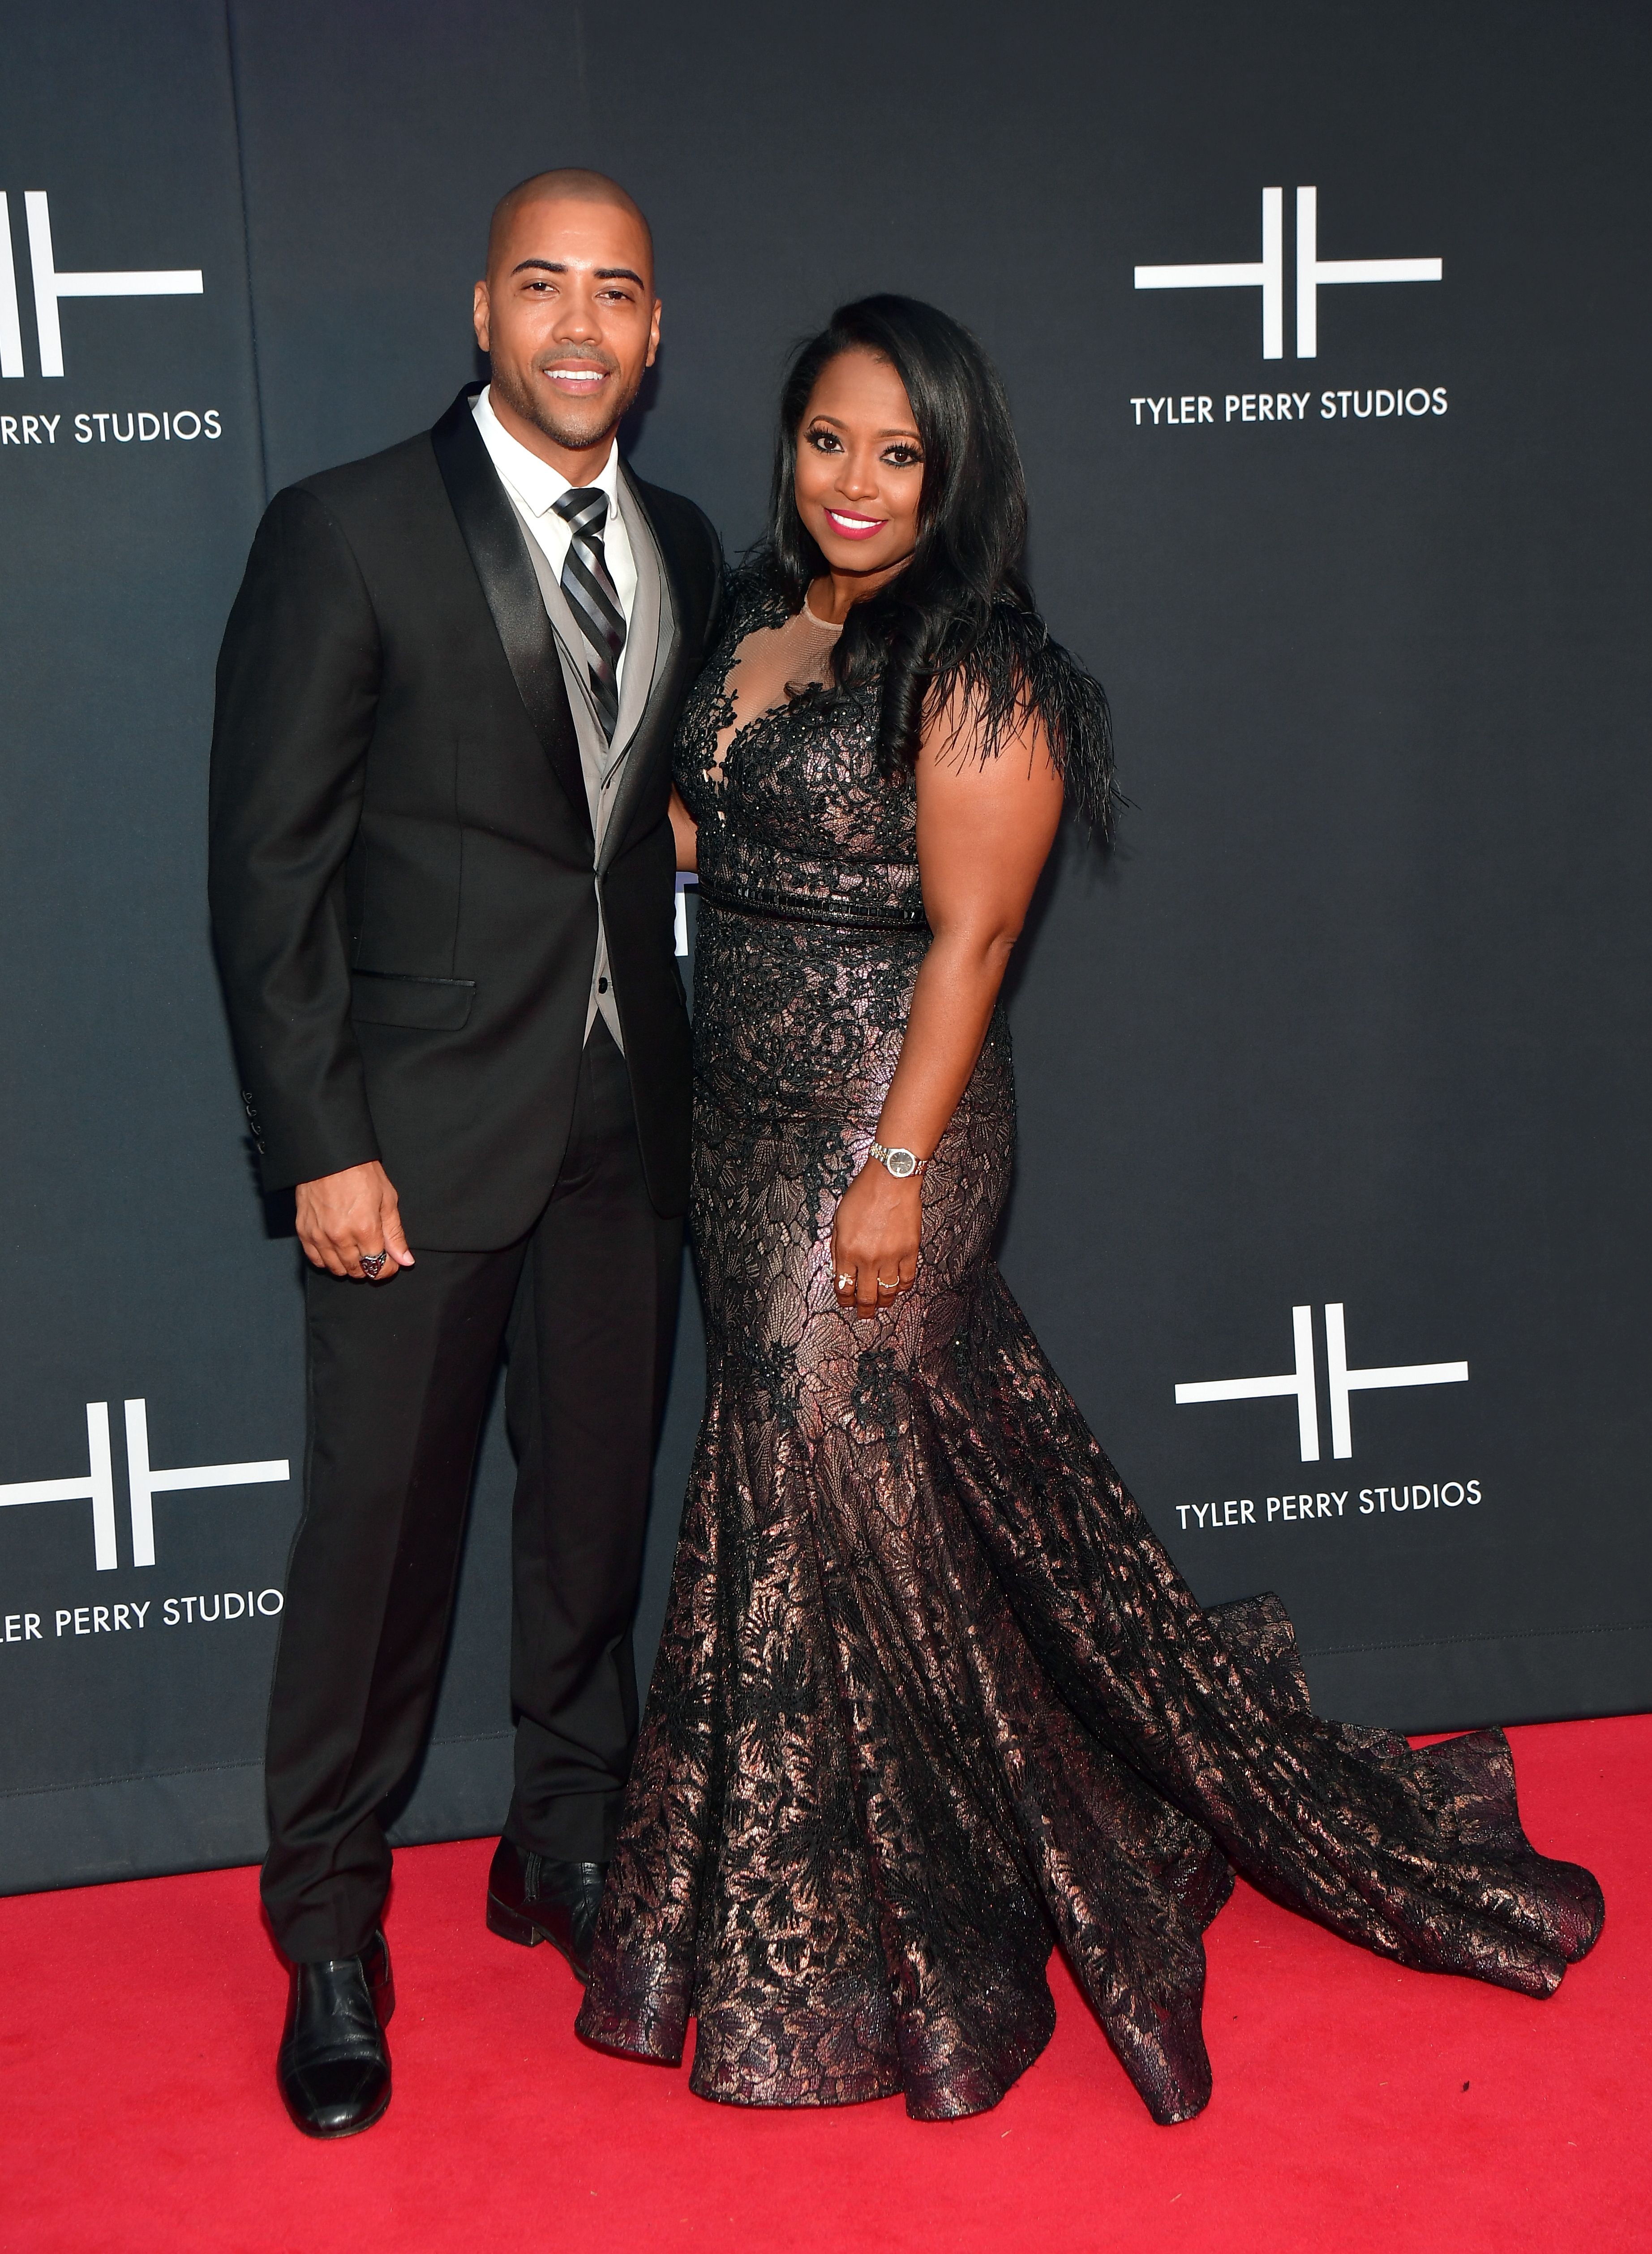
[(651, 635)]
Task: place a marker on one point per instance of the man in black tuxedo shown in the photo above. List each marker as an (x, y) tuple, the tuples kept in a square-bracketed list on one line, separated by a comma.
[(441, 893)]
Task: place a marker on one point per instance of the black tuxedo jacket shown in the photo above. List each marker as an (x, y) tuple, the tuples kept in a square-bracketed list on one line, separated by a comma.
[(402, 855)]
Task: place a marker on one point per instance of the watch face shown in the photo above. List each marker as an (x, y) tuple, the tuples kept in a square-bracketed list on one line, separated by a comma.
[(901, 1163)]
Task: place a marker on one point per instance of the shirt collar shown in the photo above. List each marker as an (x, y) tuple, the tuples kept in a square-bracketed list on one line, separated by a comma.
[(536, 484)]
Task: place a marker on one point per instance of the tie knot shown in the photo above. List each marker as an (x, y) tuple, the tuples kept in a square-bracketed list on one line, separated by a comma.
[(584, 508)]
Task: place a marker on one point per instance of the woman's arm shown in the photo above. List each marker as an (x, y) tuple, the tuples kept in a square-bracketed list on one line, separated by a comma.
[(984, 831), (686, 830)]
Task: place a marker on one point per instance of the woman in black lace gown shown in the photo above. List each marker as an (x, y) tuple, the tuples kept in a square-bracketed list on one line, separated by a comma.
[(931, 1698)]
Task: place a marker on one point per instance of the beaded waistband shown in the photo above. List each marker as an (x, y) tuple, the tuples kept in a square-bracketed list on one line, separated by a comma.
[(837, 915)]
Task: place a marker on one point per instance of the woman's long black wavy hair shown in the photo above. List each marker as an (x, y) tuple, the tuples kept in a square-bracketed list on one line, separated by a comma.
[(958, 620)]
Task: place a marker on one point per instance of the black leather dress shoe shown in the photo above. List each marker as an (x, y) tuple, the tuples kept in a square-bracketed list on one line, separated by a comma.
[(533, 1898), (334, 2070)]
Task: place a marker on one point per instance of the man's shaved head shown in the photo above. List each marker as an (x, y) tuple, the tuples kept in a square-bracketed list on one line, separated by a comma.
[(568, 184)]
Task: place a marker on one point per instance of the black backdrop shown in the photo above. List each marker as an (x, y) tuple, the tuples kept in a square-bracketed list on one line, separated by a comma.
[(1353, 1020)]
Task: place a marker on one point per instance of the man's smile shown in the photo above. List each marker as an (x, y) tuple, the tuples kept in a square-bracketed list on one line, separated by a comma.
[(576, 379)]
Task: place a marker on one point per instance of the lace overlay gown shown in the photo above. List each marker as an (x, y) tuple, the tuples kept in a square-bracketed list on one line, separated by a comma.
[(931, 1698)]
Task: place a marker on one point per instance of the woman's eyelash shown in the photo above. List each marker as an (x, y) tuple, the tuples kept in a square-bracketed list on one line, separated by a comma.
[(901, 457)]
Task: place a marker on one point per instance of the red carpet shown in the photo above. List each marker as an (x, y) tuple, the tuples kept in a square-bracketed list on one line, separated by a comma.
[(1356, 2106)]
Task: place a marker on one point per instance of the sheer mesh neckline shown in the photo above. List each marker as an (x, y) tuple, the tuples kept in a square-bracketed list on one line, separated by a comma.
[(771, 665)]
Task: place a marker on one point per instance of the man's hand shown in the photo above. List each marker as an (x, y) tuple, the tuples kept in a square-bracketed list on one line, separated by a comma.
[(341, 1216)]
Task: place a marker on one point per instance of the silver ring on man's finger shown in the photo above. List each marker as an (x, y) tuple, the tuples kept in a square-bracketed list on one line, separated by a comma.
[(372, 1264)]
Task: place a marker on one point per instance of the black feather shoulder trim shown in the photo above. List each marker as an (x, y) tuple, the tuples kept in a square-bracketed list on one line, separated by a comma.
[(1013, 672)]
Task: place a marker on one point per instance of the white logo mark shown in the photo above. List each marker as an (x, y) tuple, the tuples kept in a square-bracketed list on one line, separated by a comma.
[(143, 1483), (1340, 1381), (50, 286), (1267, 274), (97, 1487)]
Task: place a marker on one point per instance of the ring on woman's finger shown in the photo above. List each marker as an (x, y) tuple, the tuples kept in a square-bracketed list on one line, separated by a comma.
[(895, 1287), (372, 1264), (845, 1282)]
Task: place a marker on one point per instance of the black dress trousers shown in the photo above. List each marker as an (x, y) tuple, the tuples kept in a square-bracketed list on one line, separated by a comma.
[(399, 1375)]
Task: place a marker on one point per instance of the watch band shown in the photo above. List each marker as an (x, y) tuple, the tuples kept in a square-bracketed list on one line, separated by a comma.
[(903, 1164)]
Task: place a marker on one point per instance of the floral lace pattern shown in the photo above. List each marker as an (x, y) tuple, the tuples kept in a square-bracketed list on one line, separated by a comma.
[(931, 1698)]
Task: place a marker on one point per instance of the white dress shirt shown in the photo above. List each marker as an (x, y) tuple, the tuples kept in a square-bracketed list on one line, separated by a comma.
[(537, 488)]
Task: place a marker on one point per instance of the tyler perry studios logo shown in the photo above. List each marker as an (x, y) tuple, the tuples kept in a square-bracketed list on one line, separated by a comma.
[(144, 1481), (1266, 275), (1312, 1507), (52, 285)]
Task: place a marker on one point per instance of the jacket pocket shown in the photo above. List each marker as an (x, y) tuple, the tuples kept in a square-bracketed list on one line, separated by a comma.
[(431, 1005)]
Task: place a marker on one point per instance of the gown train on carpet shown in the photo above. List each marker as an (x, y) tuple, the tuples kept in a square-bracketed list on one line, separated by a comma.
[(932, 1697)]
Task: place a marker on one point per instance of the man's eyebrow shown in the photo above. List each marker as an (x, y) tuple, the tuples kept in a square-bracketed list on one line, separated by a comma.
[(557, 266)]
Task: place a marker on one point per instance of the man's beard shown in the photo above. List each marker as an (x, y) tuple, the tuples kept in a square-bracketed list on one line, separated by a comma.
[(568, 422)]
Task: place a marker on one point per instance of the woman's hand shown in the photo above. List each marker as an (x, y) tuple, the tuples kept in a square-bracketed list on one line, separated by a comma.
[(875, 1236)]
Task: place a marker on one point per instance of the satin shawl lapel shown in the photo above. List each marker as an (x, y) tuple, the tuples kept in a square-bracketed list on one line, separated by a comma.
[(498, 551), (671, 672)]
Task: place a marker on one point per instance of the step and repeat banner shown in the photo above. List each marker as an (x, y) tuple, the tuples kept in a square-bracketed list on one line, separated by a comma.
[(1327, 348)]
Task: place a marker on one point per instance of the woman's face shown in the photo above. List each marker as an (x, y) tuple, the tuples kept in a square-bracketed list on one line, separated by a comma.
[(860, 466)]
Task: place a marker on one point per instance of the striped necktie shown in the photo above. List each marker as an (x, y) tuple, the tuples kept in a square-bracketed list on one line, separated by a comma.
[(591, 598)]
